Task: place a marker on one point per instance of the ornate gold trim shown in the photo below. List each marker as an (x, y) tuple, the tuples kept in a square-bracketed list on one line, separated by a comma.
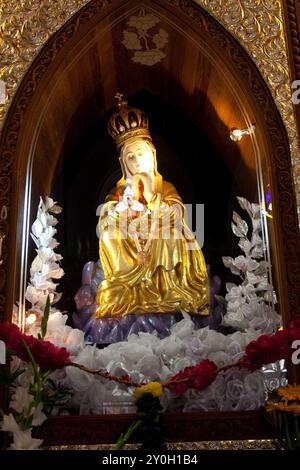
[(250, 444), (24, 29), (294, 24), (258, 25)]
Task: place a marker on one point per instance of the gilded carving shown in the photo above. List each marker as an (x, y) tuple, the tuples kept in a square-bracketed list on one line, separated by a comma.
[(257, 24), (294, 24), (24, 29)]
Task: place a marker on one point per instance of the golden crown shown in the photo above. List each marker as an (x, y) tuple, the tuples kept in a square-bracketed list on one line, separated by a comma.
[(127, 122)]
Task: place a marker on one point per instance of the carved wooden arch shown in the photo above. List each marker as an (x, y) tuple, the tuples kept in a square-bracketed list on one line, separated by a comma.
[(15, 140)]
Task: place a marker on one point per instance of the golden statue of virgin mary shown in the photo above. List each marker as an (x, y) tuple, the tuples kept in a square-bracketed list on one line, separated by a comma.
[(150, 258)]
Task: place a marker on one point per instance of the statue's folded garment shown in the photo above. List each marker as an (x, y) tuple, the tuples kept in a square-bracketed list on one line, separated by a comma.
[(151, 260)]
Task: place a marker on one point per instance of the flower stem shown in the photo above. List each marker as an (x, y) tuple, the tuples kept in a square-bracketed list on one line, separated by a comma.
[(287, 432), (130, 431)]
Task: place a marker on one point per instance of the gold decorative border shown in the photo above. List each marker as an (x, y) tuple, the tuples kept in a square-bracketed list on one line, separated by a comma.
[(24, 29), (250, 444), (258, 25), (294, 24)]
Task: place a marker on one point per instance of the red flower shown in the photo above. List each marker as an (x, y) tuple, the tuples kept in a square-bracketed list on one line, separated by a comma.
[(267, 349), (49, 356), (293, 330), (45, 353), (199, 376), (12, 337)]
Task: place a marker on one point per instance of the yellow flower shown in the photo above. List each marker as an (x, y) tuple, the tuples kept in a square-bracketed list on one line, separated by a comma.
[(290, 392), (277, 406), (295, 409), (155, 388), (270, 406)]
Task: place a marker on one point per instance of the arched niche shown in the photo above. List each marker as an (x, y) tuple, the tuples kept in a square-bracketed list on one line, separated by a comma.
[(204, 73)]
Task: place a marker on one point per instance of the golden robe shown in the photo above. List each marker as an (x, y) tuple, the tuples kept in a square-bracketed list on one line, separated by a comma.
[(174, 277)]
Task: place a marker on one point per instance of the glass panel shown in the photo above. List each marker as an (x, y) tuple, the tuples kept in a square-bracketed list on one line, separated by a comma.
[(224, 183)]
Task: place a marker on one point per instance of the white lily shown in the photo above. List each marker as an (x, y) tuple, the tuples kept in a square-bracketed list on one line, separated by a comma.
[(9, 424), (23, 440)]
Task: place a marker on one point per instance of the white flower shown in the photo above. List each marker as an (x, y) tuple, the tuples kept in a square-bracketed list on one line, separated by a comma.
[(195, 348), (42, 217), (183, 327), (245, 264), (250, 335), (165, 373), (24, 441), (75, 338), (245, 245), (50, 220), (21, 399), (253, 278), (52, 243), (229, 263), (180, 364), (149, 366), (38, 416), (56, 321), (246, 403), (234, 389), (37, 228), (15, 364), (234, 349), (47, 236), (249, 291), (234, 294), (37, 297), (256, 224), (79, 379), (257, 251), (170, 346), (256, 239), (51, 270), (220, 358), (254, 385), (216, 341), (48, 205), (9, 424)]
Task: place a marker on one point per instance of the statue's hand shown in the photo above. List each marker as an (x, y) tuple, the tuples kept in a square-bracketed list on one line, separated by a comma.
[(147, 183), (135, 186)]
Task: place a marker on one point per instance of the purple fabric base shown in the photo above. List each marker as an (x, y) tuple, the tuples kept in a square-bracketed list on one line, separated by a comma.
[(111, 330)]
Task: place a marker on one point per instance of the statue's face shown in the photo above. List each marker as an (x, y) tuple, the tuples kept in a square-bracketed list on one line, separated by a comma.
[(138, 157)]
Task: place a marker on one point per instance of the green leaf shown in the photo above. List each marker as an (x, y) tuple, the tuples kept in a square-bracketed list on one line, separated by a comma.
[(45, 318)]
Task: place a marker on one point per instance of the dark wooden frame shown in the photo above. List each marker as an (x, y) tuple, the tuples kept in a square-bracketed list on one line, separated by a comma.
[(179, 427), (15, 143), (291, 9)]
